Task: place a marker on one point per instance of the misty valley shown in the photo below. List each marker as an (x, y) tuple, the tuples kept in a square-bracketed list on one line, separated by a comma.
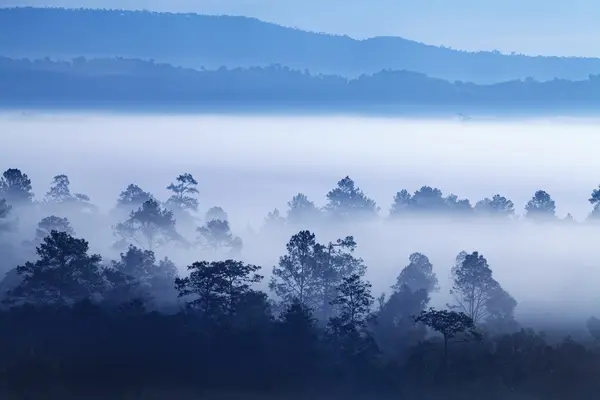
[(281, 257), (224, 208)]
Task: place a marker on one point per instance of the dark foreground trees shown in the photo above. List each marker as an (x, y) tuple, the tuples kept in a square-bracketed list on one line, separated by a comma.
[(74, 324), (134, 323)]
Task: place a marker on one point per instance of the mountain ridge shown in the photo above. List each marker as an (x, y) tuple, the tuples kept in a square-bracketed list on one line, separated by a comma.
[(120, 83), (195, 40)]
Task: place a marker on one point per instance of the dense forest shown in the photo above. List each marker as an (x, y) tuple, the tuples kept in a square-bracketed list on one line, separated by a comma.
[(131, 323), (135, 83), (198, 41)]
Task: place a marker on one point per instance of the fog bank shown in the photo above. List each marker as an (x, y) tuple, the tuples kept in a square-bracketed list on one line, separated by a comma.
[(250, 165)]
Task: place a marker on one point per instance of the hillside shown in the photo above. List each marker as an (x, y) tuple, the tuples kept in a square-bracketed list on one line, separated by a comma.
[(136, 83), (213, 41)]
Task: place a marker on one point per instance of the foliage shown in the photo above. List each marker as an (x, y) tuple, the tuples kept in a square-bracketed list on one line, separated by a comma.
[(185, 193), (541, 207), (219, 287), (150, 226), (15, 187), (132, 197), (63, 275), (475, 291), (348, 201), (216, 236)]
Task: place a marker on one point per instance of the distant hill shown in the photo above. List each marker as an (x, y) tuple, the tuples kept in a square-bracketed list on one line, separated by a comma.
[(212, 41), (122, 83)]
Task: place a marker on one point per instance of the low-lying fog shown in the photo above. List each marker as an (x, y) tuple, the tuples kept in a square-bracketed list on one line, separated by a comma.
[(251, 165)]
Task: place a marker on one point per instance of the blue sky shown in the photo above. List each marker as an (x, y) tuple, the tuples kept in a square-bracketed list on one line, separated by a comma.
[(525, 26)]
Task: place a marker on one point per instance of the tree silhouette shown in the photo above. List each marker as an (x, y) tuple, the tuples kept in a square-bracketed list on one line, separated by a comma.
[(154, 279), (418, 274), (353, 302), (428, 200), (150, 226), (217, 288), (15, 187), (185, 193), (4, 213), (394, 327), (339, 263), (132, 197), (216, 213), (497, 206), (473, 285), (501, 308), (541, 207), (60, 194), (52, 223), (348, 201), (216, 235), (401, 205), (449, 324), (347, 330), (298, 276), (302, 211), (64, 274), (458, 207), (122, 289), (274, 219)]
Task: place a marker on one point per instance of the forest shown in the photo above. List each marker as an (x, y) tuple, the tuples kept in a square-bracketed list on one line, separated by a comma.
[(123, 83), (130, 321)]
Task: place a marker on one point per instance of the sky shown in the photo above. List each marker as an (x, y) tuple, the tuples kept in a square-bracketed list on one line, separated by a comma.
[(544, 27)]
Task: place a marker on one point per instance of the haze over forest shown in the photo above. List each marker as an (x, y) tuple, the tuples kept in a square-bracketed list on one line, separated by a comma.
[(261, 231)]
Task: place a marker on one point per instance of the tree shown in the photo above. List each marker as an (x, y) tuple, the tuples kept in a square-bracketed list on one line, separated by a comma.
[(428, 200), (348, 328), (4, 213), (274, 221), (216, 213), (216, 235), (132, 197), (501, 309), (402, 204), (184, 197), (298, 275), (302, 210), (60, 194), (497, 206), (394, 327), (15, 187), (150, 226), (458, 207), (473, 286), (447, 323), (52, 223), (348, 201), (541, 207), (339, 262), (353, 302), (154, 279), (121, 289), (595, 201), (64, 274), (218, 287), (418, 274)]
